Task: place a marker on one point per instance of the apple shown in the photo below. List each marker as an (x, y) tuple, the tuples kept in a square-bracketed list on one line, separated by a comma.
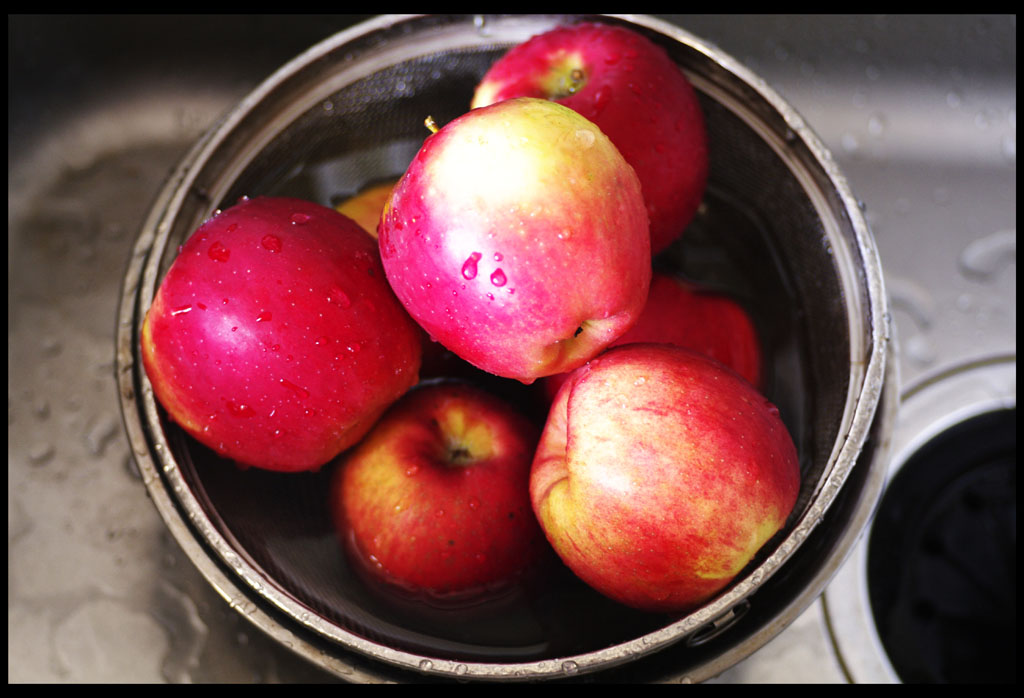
[(683, 313), (274, 338), (435, 500), (365, 207), (518, 239), (637, 96), (660, 474)]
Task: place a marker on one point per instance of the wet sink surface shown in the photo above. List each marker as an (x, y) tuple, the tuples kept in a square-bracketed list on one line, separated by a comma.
[(920, 113)]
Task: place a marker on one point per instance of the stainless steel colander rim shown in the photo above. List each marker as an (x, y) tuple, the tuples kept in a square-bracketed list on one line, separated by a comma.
[(223, 565)]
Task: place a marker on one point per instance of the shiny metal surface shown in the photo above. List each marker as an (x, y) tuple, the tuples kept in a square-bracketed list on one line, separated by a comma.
[(919, 111), (837, 320)]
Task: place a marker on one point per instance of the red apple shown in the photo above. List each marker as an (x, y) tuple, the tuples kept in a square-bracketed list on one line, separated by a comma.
[(635, 93), (435, 499), (365, 207), (274, 338), (518, 238), (680, 312), (660, 474)]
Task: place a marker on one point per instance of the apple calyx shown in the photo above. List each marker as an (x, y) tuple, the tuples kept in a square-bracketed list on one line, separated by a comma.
[(566, 77), (465, 440)]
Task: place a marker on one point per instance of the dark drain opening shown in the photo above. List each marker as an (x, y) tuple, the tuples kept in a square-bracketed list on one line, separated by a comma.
[(942, 557)]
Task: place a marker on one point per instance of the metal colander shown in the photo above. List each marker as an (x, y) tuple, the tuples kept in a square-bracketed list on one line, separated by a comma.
[(778, 230)]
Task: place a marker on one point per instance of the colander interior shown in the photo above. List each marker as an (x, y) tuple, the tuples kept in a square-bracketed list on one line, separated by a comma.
[(760, 236)]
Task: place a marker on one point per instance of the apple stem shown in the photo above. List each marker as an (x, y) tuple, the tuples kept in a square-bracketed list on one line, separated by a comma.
[(431, 124)]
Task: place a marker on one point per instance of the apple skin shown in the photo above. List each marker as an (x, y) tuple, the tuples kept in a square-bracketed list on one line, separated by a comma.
[(660, 474), (365, 207), (683, 313), (274, 338), (435, 500), (518, 239), (635, 93)]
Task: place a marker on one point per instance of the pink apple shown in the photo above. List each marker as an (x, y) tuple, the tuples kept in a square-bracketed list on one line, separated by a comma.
[(518, 239), (435, 499), (365, 207), (683, 313), (274, 338), (660, 474), (635, 93)]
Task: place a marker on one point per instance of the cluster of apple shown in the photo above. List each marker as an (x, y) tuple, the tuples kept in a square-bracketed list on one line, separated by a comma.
[(520, 239)]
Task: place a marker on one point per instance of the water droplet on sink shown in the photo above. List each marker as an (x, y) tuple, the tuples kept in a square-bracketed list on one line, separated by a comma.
[(876, 125), (987, 255), (41, 453), (469, 267)]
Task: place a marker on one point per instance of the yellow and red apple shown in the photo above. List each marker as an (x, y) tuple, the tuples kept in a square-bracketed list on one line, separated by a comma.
[(274, 338), (633, 91), (660, 474), (365, 207), (684, 313), (518, 238), (435, 500)]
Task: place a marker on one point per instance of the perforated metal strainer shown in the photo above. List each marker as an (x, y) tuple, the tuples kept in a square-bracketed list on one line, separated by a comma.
[(779, 230)]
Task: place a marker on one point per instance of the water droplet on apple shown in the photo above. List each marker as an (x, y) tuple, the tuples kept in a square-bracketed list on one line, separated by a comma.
[(585, 138), (240, 410), (271, 242), (498, 278), (297, 389), (300, 218), (469, 269), (265, 316), (498, 256), (218, 252), (182, 310), (474, 503), (338, 297), (412, 470)]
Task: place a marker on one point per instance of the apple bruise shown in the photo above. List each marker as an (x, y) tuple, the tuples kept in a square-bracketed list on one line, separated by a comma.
[(607, 486)]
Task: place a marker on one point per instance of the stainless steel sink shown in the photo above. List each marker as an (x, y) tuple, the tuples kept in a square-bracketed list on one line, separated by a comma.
[(919, 111)]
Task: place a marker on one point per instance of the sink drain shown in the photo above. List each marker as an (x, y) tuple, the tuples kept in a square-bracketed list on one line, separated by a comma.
[(929, 594), (942, 557)]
